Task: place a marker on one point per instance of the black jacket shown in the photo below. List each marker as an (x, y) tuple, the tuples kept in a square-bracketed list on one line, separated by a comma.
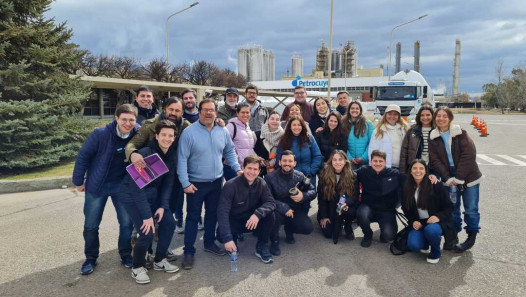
[(316, 122), (240, 200), (380, 190), (323, 139), (439, 205), (162, 186), (280, 184), (327, 208)]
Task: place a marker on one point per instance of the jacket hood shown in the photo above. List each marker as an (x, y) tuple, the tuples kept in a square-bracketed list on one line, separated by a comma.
[(454, 130)]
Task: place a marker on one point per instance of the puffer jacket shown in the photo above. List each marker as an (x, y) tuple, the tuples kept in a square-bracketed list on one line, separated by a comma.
[(380, 190), (280, 184), (385, 144), (244, 141), (464, 156), (412, 147), (308, 157), (357, 147), (323, 138)]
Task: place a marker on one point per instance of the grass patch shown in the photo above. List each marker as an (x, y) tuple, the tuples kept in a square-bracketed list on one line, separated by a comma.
[(61, 169)]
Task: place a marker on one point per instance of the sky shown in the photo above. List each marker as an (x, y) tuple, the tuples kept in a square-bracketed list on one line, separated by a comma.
[(489, 31)]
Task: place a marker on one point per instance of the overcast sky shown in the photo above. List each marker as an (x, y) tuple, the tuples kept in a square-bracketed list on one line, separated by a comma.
[(214, 30)]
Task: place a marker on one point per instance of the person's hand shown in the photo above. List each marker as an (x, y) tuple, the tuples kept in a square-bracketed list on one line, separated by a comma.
[(290, 213), (231, 246), (417, 225), (358, 161), (147, 225), (191, 189), (137, 160), (319, 129), (433, 179), (220, 122), (239, 172), (433, 219), (323, 222), (343, 208), (81, 188), (252, 223), (159, 214), (297, 198)]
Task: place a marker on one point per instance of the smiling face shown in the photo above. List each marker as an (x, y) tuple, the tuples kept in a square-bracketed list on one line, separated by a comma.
[(287, 163), (231, 100), (189, 101), (300, 95), (294, 111), (165, 138), (251, 95), (426, 118), (442, 120), (343, 100), (251, 172), (145, 99), (321, 106), (174, 111), (244, 115), (332, 122), (126, 122), (378, 164), (273, 122), (355, 110), (418, 171), (207, 114), (296, 127), (392, 117), (338, 162)]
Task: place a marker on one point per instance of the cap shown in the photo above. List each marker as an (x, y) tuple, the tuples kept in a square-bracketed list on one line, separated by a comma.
[(392, 107), (232, 91)]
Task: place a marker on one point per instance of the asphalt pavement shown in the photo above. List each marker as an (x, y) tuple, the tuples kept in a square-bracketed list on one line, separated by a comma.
[(41, 247)]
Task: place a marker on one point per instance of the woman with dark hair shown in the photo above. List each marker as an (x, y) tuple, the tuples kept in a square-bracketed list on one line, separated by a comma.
[(358, 130), (389, 134), (267, 142), (452, 154), (337, 179), (295, 110), (320, 115), (297, 139), (428, 211), (415, 143), (332, 137), (243, 138)]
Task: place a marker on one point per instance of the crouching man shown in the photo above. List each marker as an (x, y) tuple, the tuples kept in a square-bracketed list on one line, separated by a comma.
[(245, 205)]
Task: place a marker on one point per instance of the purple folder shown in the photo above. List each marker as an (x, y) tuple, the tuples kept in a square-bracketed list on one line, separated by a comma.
[(155, 167)]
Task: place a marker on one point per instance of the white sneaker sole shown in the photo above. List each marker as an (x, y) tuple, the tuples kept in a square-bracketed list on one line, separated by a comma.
[(167, 271), (264, 261), (432, 261), (140, 282)]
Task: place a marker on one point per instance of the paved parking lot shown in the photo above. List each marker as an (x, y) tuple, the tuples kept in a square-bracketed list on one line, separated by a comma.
[(41, 248)]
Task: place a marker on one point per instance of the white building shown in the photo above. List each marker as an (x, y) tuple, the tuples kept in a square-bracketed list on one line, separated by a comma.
[(256, 63), (297, 65)]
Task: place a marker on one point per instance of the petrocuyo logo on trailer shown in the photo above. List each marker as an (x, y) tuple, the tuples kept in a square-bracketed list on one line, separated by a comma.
[(309, 83)]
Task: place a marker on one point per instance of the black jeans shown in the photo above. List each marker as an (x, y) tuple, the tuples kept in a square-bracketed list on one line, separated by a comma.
[(263, 229), (300, 224), (347, 218), (386, 219)]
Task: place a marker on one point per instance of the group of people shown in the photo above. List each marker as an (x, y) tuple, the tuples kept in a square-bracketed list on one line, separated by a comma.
[(256, 170)]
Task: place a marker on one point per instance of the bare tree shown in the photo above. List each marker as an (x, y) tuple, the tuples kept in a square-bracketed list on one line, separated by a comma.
[(157, 69), (126, 67)]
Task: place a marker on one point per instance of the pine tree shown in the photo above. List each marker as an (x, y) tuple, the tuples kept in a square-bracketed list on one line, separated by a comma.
[(39, 102)]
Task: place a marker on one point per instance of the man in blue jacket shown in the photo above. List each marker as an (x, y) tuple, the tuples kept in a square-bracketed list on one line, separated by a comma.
[(99, 170), (200, 169)]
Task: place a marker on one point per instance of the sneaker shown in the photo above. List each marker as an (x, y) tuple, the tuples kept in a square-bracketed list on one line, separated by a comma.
[(367, 240), (179, 229), (426, 251), (274, 248), (200, 225), (140, 275), (214, 249), (170, 256), (88, 266), (166, 266), (432, 260), (188, 261), (127, 261), (289, 238), (263, 253)]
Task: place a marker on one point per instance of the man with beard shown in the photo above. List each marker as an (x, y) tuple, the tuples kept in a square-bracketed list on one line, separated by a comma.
[(173, 111), (291, 207), (145, 105), (258, 113), (228, 110), (300, 98), (200, 169), (190, 106)]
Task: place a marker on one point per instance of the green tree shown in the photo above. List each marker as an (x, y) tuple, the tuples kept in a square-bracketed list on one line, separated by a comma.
[(39, 102)]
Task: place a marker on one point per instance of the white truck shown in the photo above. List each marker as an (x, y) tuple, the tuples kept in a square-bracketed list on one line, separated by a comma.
[(407, 89)]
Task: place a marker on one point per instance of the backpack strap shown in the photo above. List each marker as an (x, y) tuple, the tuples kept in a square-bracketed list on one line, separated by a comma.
[(235, 131)]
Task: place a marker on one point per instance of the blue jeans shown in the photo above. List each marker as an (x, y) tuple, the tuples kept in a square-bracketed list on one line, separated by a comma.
[(207, 192), (386, 219), (470, 200), (430, 235), (93, 210)]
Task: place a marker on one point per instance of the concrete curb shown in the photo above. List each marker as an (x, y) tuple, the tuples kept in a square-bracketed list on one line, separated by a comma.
[(37, 184)]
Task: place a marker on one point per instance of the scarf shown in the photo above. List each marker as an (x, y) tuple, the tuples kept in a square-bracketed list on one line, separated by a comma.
[(270, 138)]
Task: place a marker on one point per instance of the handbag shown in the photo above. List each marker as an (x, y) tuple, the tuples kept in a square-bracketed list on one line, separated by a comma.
[(399, 245)]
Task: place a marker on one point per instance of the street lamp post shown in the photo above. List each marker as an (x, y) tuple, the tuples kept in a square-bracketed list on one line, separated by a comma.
[(330, 54), (391, 41), (167, 29)]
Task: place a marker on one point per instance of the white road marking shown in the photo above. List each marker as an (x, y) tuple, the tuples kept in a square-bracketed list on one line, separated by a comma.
[(511, 159), (491, 160)]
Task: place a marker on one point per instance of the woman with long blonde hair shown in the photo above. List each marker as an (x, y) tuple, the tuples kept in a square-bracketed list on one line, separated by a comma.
[(337, 179)]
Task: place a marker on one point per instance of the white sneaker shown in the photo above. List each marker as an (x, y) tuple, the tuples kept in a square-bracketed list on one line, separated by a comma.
[(166, 266), (200, 226), (179, 228), (140, 275), (426, 251)]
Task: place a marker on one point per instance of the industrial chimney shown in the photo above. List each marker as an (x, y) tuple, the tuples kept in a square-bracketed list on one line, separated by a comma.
[(417, 57), (456, 68)]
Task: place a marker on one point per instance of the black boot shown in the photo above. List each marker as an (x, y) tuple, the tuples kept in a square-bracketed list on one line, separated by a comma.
[(469, 243), (349, 233), (449, 245)]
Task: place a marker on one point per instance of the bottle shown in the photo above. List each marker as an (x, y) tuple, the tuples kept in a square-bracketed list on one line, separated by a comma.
[(340, 203), (233, 262), (453, 194)]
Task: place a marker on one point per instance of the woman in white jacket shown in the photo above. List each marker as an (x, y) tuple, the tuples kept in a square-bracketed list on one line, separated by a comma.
[(389, 134)]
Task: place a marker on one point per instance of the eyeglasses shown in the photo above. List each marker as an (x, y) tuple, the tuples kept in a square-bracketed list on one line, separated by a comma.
[(208, 110), (299, 93)]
